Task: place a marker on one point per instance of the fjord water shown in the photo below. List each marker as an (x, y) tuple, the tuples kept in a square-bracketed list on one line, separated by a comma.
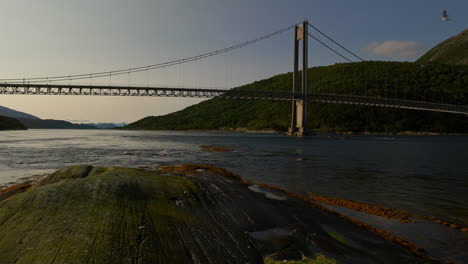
[(426, 175)]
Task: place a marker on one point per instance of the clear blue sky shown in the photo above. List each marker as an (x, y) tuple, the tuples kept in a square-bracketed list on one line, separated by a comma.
[(55, 37)]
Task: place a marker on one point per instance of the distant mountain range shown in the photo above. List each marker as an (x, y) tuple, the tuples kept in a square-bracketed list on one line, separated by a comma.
[(30, 121), (451, 51), (52, 124), (5, 111), (34, 122), (107, 125)]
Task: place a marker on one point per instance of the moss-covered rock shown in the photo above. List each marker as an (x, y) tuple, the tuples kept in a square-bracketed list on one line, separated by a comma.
[(116, 215), (72, 172), (187, 214)]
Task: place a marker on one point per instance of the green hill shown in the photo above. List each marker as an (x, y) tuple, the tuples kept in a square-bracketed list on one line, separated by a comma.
[(8, 123), (452, 51), (380, 79)]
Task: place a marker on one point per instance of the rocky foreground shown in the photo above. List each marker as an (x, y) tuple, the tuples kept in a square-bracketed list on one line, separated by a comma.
[(185, 214)]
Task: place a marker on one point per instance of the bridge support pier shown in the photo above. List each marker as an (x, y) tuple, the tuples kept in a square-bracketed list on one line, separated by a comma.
[(299, 103)]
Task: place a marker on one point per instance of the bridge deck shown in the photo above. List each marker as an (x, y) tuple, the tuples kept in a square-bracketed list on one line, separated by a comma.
[(60, 89)]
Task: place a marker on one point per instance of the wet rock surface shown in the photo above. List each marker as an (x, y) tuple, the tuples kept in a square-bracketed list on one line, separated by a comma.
[(184, 214)]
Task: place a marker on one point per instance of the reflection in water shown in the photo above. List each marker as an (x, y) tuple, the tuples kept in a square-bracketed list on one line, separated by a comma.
[(426, 175)]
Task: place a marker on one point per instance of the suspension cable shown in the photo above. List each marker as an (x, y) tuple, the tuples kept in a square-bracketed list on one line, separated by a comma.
[(151, 67), (335, 42), (330, 48)]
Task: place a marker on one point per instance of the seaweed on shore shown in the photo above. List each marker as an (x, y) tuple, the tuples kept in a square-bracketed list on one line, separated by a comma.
[(403, 216)]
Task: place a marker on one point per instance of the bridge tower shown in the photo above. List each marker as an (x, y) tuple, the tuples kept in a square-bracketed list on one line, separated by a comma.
[(299, 102)]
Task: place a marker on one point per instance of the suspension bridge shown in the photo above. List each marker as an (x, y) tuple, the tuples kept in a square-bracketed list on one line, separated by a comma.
[(299, 95)]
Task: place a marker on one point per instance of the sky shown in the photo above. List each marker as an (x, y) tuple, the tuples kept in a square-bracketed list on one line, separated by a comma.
[(56, 37)]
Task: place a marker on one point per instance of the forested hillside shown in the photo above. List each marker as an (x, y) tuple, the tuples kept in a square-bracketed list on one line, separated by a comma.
[(452, 51), (431, 82), (8, 123)]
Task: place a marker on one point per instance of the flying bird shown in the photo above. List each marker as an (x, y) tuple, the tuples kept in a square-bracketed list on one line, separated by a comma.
[(445, 16)]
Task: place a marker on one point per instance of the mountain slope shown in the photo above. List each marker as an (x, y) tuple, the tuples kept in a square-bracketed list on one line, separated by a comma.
[(52, 124), (5, 111), (431, 82), (8, 123), (30, 121), (452, 51)]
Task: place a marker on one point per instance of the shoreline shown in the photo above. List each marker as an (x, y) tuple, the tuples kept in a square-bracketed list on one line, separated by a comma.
[(318, 133), (33, 179)]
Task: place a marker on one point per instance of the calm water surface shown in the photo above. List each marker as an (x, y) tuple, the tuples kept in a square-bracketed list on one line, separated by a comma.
[(422, 174)]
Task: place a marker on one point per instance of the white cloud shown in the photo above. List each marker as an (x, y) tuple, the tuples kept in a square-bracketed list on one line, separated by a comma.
[(395, 49)]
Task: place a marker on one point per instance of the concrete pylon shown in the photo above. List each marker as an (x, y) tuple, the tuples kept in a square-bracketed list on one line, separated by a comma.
[(299, 102)]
